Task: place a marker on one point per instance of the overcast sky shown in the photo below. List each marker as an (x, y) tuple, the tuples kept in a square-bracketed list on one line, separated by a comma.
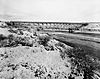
[(51, 10)]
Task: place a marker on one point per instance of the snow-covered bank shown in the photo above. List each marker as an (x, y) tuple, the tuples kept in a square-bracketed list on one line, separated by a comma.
[(26, 53)]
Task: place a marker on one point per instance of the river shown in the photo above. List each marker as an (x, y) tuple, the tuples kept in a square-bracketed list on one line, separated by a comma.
[(89, 46)]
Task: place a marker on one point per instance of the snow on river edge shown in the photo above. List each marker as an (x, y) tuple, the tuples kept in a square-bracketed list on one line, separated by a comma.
[(28, 54)]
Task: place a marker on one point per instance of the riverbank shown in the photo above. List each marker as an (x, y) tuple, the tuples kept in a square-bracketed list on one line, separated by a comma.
[(84, 56)]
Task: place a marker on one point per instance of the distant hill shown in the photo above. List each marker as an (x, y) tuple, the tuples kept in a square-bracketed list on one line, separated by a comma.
[(94, 25)]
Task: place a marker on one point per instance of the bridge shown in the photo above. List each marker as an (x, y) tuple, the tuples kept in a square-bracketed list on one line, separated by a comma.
[(50, 25)]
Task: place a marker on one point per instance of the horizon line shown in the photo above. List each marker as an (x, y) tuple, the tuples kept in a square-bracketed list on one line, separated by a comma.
[(45, 21)]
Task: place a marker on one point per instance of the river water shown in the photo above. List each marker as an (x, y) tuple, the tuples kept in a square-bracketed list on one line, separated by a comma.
[(89, 46)]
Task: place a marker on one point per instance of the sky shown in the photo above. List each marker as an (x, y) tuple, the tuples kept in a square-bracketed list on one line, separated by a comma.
[(50, 10)]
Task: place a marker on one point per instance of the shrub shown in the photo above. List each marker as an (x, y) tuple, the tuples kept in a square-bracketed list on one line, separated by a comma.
[(61, 45), (2, 37), (49, 48), (12, 41), (43, 40), (23, 41), (12, 31)]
